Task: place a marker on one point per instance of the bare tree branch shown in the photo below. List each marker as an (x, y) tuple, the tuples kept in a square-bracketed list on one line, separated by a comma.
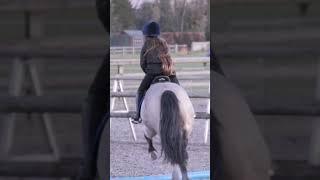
[(182, 15)]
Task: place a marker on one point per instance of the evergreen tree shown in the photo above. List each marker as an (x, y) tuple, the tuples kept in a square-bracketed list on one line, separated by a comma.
[(122, 15)]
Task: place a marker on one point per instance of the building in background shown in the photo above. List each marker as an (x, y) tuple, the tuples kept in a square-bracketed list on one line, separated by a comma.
[(132, 38), (200, 46)]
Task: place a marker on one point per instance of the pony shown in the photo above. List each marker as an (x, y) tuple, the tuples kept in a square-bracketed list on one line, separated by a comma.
[(240, 151), (167, 110)]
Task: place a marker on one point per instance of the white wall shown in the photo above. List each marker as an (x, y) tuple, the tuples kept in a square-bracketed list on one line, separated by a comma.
[(200, 46)]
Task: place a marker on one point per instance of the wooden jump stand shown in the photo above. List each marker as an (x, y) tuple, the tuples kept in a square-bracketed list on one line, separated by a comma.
[(118, 87), (22, 68)]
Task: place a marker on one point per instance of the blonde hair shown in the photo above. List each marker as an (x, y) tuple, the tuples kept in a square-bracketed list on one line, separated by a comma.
[(161, 46)]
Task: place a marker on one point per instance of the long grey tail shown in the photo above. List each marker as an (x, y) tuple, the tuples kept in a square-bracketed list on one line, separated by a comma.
[(172, 134)]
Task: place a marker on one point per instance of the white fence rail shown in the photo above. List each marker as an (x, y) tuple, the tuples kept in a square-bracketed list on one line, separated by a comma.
[(131, 50), (130, 61), (121, 63)]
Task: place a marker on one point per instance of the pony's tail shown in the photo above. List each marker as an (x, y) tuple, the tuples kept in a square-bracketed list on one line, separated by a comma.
[(172, 133)]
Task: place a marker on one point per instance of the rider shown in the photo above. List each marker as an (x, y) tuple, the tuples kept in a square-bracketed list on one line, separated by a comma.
[(155, 60)]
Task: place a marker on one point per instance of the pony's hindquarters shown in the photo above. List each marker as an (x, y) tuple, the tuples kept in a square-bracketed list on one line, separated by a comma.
[(173, 135)]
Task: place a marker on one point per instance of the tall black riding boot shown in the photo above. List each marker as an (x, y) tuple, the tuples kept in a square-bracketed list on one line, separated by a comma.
[(139, 99)]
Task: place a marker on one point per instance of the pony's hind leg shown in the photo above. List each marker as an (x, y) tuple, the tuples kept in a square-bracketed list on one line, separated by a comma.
[(148, 135), (151, 149), (179, 172), (184, 173)]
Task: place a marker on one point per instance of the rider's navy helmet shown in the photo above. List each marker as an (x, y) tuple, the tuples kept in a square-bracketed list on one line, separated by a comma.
[(151, 29)]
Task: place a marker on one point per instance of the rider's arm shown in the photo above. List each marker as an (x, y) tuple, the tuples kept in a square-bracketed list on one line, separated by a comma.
[(143, 62)]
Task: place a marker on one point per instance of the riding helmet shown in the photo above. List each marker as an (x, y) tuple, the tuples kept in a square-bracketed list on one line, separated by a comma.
[(151, 29)]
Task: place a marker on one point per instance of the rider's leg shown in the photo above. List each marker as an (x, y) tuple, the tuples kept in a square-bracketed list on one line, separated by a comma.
[(139, 97), (145, 84)]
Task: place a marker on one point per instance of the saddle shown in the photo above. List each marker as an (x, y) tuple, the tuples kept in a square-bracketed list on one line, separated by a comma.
[(159, 79)]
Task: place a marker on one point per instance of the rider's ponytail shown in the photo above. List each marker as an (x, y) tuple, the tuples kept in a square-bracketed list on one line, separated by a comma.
[(160, 46), (167, 63)]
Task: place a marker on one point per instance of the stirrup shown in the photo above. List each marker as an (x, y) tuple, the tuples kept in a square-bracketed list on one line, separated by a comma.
[(134, 121)]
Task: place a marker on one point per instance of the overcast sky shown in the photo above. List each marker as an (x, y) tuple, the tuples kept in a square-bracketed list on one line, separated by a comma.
[(137, 3)]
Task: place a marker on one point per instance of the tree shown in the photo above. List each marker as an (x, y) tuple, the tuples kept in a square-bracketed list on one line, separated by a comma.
[(190, 15), (166, 16), (208, 21), (122, 15), (196, 18), (148, 11), (176, 15), (183, 12)]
